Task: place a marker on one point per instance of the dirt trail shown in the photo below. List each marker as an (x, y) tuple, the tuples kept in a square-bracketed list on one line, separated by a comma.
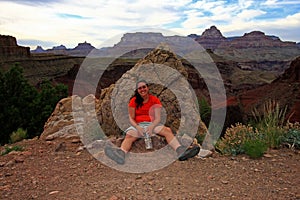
[(56, 170)]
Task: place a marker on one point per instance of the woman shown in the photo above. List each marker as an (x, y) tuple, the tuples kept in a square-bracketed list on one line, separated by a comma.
[(145, 116)]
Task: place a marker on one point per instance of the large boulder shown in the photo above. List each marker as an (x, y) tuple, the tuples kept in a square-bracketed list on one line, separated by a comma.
[(69, 117), (168, 81), (107, 116)]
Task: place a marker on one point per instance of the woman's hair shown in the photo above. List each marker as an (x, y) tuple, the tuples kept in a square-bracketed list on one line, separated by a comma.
[(138, 100)]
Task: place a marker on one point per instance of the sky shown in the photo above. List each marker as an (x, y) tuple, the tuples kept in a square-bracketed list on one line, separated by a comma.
[(49, 23)]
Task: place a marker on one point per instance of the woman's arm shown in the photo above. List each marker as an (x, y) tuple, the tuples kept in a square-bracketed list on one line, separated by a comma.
[(157, 118), (131, 111)]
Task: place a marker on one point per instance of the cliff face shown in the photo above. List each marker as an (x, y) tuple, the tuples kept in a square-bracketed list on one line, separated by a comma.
[(256, 39), (285, 90), (257, 51), (211, 38), (9, 48)]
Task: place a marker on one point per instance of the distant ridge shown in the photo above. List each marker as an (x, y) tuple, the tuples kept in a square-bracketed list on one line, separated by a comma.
[(82, 49), (211, 38)]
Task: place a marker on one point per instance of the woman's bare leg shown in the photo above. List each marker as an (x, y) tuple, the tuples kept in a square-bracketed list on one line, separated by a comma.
[(130, 138), (167, 133)]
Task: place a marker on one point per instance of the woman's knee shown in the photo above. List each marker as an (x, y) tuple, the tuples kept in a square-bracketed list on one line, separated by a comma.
[(165, 131), (130, 137)]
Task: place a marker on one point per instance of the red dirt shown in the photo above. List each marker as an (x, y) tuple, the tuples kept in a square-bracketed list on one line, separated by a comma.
[(44, 171)]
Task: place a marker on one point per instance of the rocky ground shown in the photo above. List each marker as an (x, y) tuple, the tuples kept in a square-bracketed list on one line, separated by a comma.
[(58, 170)]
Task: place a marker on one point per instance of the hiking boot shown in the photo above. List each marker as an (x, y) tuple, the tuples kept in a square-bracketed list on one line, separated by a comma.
[(188, 153), (116, 154)]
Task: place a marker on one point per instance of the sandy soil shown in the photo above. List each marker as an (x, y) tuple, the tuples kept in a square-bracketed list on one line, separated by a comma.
[(57, 170)]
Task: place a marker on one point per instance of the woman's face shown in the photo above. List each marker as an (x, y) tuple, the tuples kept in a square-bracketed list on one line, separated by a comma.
[(142, 89)]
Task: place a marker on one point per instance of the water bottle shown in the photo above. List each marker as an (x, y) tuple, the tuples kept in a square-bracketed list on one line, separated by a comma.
[(148, 141)]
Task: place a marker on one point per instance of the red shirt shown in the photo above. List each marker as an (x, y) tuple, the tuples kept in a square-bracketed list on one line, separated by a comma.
[(145, 113)]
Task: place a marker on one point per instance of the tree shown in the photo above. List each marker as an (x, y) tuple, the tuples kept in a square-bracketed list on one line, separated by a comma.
[(22, 106)]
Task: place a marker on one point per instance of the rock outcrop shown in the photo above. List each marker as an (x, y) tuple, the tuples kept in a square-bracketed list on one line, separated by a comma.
[(285, 91), (38, 49), (156, 68), (82, 49), (10, 49), (211, 38), (110, 110), (257, 51), (256, 39)]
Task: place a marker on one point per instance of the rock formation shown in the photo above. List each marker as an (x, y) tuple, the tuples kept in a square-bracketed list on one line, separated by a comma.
[(285, 91), (38, 49), (82, 49), (9, 48), (110, 110), (257, 51), (256, 39), (211, 38), (154, 67)]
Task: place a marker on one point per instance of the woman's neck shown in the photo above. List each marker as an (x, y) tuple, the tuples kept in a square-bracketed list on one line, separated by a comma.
[(146, 98)]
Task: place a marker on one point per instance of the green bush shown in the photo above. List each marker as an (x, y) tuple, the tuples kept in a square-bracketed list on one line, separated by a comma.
[(267, 131), (233, 141), (10, 149), (255, 148), (269, 122), (273, 136), (18, 135), (292, 138), (200, 138), (205, 111), (23, 106)]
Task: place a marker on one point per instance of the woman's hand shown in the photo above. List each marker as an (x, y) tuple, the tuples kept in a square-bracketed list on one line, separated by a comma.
[(150, 129), (140, 130)]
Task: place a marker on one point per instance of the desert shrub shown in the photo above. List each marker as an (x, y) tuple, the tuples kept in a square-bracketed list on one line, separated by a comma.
[(10, 149), (255, 148), (268, 130), (234, 139), (273, 136), (18, 135), (270, 116), (292, 136), (269, 122)]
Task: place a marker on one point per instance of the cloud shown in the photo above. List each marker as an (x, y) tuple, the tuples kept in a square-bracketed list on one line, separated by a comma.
[(69, 22), (285, 28), (33, 2), (280, 3), (66, 15)]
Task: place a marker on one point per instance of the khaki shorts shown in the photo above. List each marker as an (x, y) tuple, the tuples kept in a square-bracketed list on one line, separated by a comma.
[(142, 124)]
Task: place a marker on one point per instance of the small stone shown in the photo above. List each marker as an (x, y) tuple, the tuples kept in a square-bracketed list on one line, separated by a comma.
[(113, 197), (19, 160), (54, 192), (78, 153), (26, 153), (10, 163), (81, 148), (2, 164), (76, 140), (225, 182), (268, 155), (139, 177)]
